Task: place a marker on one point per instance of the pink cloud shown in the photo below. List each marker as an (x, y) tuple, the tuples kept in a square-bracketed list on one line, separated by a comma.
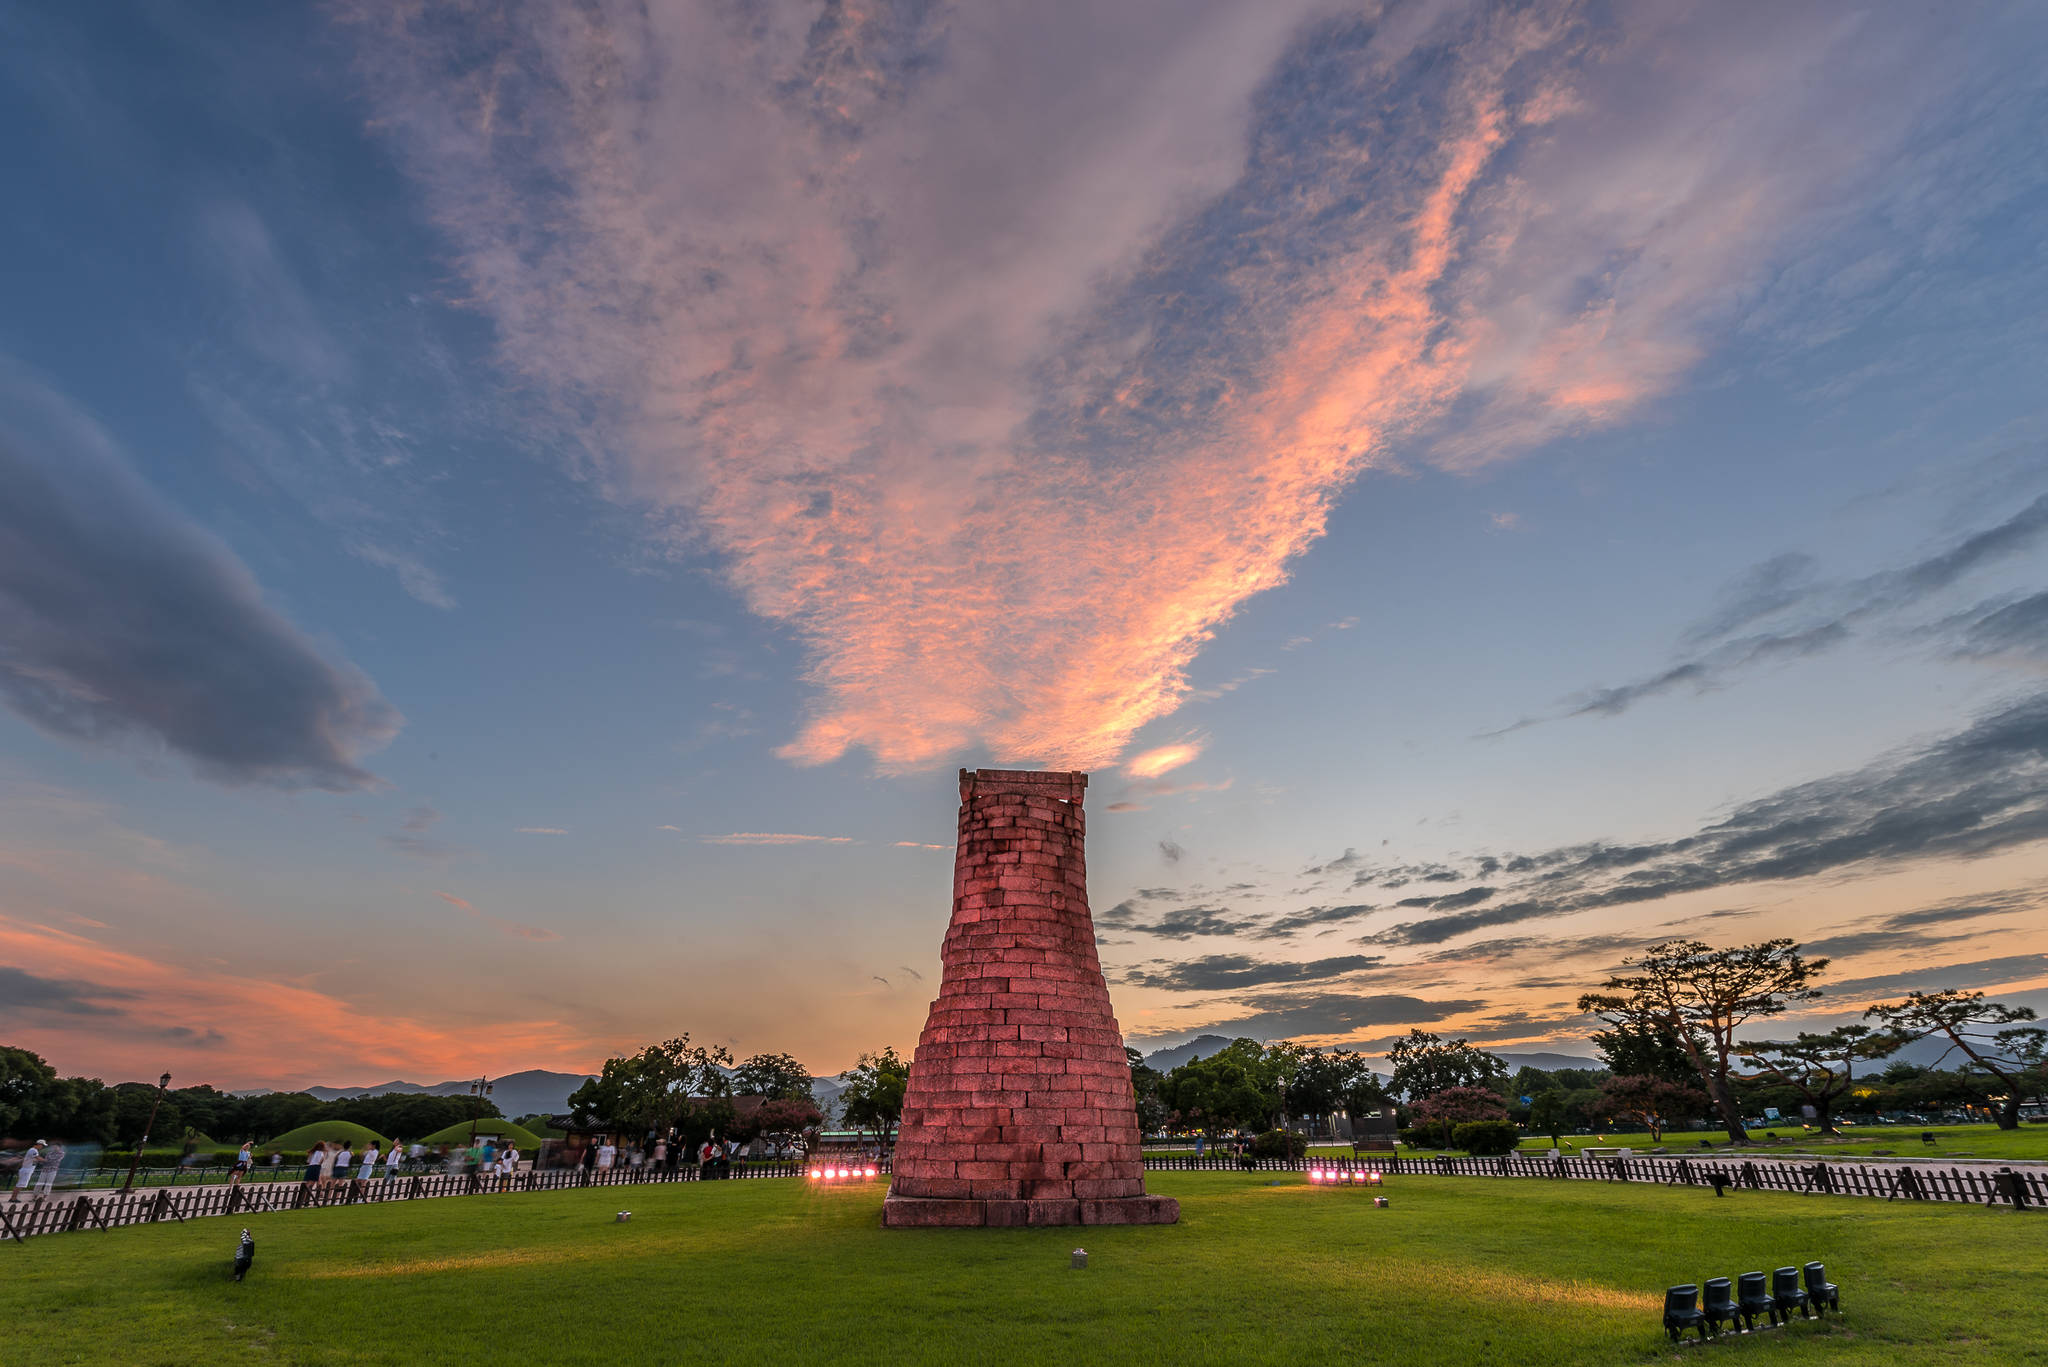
[(835, 301)]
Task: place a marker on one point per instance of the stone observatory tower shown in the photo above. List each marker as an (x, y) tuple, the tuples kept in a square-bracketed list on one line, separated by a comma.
[(1019, 1110)]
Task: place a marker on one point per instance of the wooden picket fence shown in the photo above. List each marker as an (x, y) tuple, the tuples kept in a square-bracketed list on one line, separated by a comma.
[(20, 1220), (2018, 1188), (2024, 1188)]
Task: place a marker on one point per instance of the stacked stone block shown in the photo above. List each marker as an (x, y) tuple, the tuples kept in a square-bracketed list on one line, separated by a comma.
[(1019, 1109)]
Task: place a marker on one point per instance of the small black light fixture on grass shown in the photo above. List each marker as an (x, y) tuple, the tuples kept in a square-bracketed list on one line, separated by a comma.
[(162, 1085), (245, 1255)]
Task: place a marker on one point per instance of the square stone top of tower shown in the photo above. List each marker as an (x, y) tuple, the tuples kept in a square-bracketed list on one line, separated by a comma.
[(1066, 786)]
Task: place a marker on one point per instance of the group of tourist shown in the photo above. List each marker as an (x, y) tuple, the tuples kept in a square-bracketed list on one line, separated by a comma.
[(39, 1167), (328, 1163), (715, 1157), (335, 1163)]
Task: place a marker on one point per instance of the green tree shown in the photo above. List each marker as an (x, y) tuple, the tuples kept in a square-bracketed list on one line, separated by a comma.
[(872, 1099), (776, 1076), (1322, 1083), (1820, 1068), (1651, 1102), (1455, 1106), (1651, 1050), (1548, 1113), (28, 1093), (2010, 1059), (1146, 1082), (1704, 996), (1425, 1064), (1232, 1089)]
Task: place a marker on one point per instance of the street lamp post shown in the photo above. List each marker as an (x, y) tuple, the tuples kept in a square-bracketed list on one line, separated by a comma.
[(162, 1085), (479, 1089)]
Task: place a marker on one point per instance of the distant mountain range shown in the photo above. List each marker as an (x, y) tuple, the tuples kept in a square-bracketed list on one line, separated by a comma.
[(1203, 1046), (534, 1092)]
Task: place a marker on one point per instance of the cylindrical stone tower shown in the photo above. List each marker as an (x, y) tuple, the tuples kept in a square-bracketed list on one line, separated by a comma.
[(1019, 1109)]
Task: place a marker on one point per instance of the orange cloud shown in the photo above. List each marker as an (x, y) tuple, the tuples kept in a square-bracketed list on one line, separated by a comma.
[(200, 1020), (1166, 758)]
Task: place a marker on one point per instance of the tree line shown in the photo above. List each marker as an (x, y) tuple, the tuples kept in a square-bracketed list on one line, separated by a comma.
[(36, 1103)]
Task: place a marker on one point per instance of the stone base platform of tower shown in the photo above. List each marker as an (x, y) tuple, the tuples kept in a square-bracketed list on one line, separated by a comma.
[(1019, 1108)]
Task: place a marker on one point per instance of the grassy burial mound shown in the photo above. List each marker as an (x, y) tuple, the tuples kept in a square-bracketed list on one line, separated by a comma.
[(498, 1129), (325, 1132), (1263, 1268)]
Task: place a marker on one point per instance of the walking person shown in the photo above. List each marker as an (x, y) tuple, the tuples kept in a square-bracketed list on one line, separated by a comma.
[(508, 1166), (244, 1160), (330, 1154), (341, 1162), (368, 1167), (314, 1157), (25, 1177), (49, 1168), (707, 1159), (391, 1160)]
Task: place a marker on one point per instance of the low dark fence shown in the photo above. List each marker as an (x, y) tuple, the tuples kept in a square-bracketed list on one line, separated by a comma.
[(20, 1219), (2008, 1187), (1916, 1182)]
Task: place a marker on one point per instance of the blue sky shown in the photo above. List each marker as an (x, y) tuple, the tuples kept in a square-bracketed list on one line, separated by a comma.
[(514, 525)]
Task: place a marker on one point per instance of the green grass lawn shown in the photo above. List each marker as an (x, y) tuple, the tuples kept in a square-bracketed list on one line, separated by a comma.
[(1260, 1270)]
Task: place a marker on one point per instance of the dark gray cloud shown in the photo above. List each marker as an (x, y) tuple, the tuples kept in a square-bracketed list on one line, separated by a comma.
[(2002, 903), (1171, 852), (1978, 973), (1283, 1016), (121, 621), (1229, 972), (22, 991), (194, 1039), (1545, 948), (1823, 616), (2003, 629), (1287, 925), (1182, 923), (1760, 591), (1978, 791)]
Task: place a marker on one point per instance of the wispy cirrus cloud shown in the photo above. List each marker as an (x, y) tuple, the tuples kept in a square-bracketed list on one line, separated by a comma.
[(775, 838), (469, 908), (895, 308)]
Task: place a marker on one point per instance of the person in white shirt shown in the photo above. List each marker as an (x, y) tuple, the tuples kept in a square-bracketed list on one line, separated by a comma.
[(341, 1162), (391, 1160), (25, 1178), (244, 1160), (368, 1167), (606, 1152), (47, 1170), (508, 1164)]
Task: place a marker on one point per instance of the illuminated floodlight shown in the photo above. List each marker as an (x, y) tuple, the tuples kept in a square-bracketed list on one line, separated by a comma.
[(874, 1172), (817, 1172)]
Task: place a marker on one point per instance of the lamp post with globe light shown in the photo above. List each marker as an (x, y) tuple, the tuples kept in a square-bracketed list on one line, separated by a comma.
[(162, 1085)]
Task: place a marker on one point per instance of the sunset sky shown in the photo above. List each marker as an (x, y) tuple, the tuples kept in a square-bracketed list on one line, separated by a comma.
[(511, 515)]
